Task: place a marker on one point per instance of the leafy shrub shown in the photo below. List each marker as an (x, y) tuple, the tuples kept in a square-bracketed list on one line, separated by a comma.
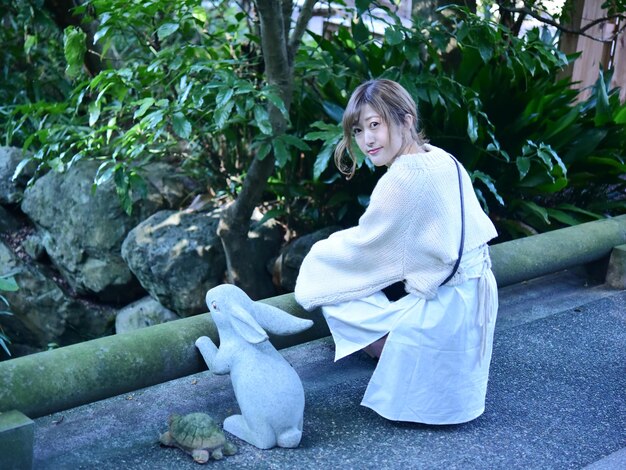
[(32, 64), (7, 284), (538, 159), (183, 94), (173, 88)]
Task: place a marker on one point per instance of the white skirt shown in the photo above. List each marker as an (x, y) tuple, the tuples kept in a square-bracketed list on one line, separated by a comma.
[(435, 363)]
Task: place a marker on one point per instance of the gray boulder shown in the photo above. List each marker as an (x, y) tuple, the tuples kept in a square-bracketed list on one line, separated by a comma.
[(11, 191), (177, 257), (83, 232), (142, 313), (42, 313), (287, 265)]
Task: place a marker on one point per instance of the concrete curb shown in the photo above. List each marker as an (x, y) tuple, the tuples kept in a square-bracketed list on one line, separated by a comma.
[(530, 257), (67, 377)]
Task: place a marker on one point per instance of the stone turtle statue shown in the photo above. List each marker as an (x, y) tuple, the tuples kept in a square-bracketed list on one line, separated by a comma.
[(268, 390), (198, 435)]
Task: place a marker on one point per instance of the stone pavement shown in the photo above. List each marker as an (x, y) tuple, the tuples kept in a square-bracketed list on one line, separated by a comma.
[(556, 399)]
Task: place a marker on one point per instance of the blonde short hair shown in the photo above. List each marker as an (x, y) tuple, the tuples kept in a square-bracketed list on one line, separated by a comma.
[(390, 100)]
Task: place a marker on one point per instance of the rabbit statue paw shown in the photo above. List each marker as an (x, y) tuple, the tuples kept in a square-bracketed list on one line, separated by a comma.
[(268, 390)]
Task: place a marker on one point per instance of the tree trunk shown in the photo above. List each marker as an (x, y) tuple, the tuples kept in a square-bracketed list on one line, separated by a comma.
[(278, 53), (61, 11)]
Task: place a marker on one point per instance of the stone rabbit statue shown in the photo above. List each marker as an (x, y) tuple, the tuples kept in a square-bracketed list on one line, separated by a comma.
[(268, 390)]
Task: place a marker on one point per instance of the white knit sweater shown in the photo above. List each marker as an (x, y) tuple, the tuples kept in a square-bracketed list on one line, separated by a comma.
[(410, 232)]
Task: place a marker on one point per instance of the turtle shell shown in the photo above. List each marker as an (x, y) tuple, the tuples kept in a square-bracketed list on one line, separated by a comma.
[(196, 431)]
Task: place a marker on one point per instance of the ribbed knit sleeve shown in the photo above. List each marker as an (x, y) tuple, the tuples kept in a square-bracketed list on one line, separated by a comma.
[(361, 260)]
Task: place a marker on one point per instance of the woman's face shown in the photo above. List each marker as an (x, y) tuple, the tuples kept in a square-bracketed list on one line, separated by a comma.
[(382, 143)]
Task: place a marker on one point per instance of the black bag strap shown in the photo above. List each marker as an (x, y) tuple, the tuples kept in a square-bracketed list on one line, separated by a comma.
[(458, 260)]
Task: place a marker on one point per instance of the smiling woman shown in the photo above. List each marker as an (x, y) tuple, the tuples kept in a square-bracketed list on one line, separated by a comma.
[(382, 117), (434, 343), (381, 142)]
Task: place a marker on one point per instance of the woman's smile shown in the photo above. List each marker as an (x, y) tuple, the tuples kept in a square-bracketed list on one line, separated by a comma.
[(381, 142)]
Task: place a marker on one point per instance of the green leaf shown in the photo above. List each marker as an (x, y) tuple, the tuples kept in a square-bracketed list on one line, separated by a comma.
[(167, 29), (523, 166), (620, 116), (94, 112), (553, 187), (362, 5), (8, 284), (101, 33), (29, 43), (262, 120), (333, 110), (3, 341), (563, 217), (146, 103), (138, 184), (111, 126), (293, 141), (537, 210), (153, 119), (573, 208), (264, 150), (488, 182), (182, 127), (223, 97), (102, 178), (322, 160), (20, 167), (326, 131), (472, 127), (603, 109), (546, 156), (74, 48), (360, 32), (486, 52), (393, 36), (276, 101), (610, 162), (563, 123), (281, 153), (199, 13), (221, 114)]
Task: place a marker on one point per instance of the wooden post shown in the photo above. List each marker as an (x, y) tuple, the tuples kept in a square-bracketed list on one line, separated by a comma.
[(594, 52), (619, 64)]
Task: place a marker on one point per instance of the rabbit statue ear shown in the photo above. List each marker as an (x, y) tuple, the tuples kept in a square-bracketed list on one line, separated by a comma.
[(277, 321), (246, 326)]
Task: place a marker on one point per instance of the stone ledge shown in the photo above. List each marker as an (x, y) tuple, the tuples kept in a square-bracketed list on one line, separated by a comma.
[(16, 441), (82, 373), (616, 272)]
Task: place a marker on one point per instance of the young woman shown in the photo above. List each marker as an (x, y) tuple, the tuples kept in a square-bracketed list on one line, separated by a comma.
[(435, 342)]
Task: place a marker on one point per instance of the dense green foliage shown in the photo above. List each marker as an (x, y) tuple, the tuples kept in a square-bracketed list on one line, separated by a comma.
[(539, 160), (185, 84)]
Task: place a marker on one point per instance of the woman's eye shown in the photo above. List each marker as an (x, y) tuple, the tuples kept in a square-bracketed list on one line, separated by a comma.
[(373, 124), (356, 131)]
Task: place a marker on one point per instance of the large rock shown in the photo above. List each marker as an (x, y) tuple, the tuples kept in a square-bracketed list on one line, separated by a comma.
[(42, 313), (287, 265), (141, 314), (177, 257), (11, 191), (83, 232)]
